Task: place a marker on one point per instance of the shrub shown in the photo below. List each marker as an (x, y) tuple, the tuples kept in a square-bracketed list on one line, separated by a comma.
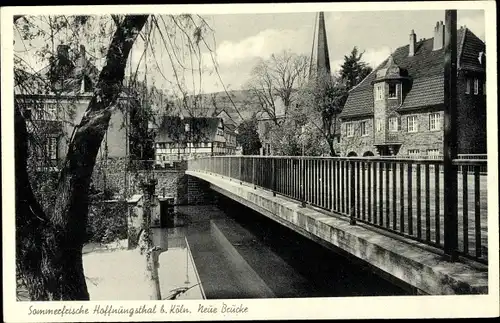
[(107, 221)]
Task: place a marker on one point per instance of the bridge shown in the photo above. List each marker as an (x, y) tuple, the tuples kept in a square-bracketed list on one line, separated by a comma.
[(387, 213)]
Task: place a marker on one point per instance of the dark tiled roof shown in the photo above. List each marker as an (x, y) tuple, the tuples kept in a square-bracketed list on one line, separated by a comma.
[(425, 91), (68, 76), (426, 71), (172, 129)]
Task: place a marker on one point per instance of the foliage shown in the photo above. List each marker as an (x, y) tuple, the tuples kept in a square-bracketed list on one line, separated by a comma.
[(354, 69), (321, 102), (107, 221), (248, 137)]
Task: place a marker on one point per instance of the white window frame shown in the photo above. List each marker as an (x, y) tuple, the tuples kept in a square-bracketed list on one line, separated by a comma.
[(467, 86), (379, 91), (349, 129), (433, 153), (413, 152), (395, 91), (51, 148), (393, 124), (476, 86), (363, 128), (379, 125), (435, 121), (414, 124)]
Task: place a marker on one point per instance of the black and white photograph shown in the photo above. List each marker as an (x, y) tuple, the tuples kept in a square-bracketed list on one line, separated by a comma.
[(238, 162)]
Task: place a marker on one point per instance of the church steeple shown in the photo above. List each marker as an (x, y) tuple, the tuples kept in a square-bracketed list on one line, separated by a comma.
[(323, 57)]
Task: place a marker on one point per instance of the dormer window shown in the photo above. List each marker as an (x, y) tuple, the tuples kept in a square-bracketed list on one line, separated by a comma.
[(393, 91), (467, 86)]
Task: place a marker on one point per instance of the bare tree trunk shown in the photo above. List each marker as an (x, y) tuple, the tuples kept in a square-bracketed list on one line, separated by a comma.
[(333, 152), (49, 247)]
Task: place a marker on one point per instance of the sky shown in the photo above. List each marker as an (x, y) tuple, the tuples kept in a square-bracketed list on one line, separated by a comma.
[(238, 41), (243, 38)]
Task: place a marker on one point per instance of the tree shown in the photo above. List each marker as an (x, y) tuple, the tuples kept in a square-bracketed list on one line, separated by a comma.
[(354, 70), (277, 77), (49, 245), (49, 241), (321, 102), (248, 137)]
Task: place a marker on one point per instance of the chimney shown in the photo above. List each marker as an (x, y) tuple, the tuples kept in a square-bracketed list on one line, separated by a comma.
[(63, 52), (413, 41), (438, 36)]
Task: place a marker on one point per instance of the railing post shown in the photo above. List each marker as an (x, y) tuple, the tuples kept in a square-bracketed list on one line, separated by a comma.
[(273, 171), (303, 183), (450, 137), (253, 173), (230, 162), (352, 213), (240, 161)]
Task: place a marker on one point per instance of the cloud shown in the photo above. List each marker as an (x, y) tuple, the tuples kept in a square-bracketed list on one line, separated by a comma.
[(262, 45), (375, 56)]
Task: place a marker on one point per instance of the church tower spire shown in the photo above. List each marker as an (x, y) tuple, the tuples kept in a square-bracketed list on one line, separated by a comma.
[(323, 57)]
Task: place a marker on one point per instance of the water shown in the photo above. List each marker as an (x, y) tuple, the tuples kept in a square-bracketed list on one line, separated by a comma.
[(233, 252)]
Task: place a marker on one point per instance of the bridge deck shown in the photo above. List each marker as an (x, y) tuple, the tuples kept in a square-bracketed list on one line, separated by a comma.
[(402, 258)]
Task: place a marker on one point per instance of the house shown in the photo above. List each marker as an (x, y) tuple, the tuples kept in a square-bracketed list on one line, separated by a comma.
[(56, 98), (181, 138), (230, 133), (398, 108)]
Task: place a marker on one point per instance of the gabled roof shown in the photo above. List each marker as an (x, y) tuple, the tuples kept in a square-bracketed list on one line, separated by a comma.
[(66, 74), (173, 129), (425, 70)]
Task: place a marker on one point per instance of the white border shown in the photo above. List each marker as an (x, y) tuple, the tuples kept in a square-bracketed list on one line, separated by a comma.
[(316, 308)]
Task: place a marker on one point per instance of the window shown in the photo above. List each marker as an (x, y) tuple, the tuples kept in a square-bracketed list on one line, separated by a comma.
[(379, 91), (412, 124), (413, 152), (467, 86), (476, 86), (393, 124), (349, 129), (380, 125), (49, 111), (51, 148), (363, 129), (434, 121), (433, 153), (393, 91)]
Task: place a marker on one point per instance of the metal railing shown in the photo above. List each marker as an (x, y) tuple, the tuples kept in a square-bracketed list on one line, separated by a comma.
[(403, 196)]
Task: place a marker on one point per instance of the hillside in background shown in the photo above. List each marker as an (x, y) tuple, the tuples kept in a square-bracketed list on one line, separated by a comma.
[(239, 105)]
